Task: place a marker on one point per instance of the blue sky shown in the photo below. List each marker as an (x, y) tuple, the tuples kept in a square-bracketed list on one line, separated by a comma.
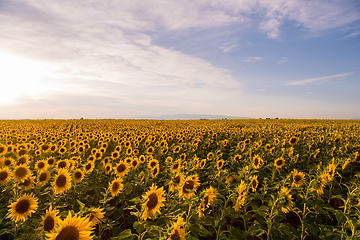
[(127, 59)]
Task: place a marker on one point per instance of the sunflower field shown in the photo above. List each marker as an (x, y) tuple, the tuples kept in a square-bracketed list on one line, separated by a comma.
[(179, 179)]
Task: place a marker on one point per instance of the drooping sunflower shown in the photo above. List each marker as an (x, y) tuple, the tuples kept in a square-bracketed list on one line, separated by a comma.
[(279, 163), (207, 200), (122, 169), (285, 192), (72, 228), (23, 207), (189, 187), (95, 215), (21, 173), (153, 202), (50, 220), (116, 186), (62, 181), (177, 231), (298, 178), (240, 201), (257, 162), (78, 175), (5, 175), (43, 177)]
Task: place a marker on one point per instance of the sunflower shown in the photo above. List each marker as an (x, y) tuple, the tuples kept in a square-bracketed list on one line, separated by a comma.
[(89, 167), (176, 149), (23, 207), (298, 178), (95, 215), (293, 141), (153, 163), (135, 162), (258, 162), (230, 179), (220, 164), (189, 187), (5, 175), (176, 182), (155, 171), (108, 169), (23, 160), (62, 150), (72, 228), (142, 159), (331, 171), (62, 181), (50, 220), (279, 163), (203, 163), (41, 165), (21, 173), (115, 155), (78, 175), (116, 187), (63, 164), (254, 183), (288, 199), (207, 200), (50, 161), (240, 201), (176, 166), (150, 150), (8, 162), (28, 183), (129, 151), (177, 232), (43, 177), (122, 169), (153, 202), (210, 155), (237, 158), (3, 149)]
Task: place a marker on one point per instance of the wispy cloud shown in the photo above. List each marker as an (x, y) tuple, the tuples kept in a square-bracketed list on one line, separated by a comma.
[(316, 80), (253, 59), (282, 60)]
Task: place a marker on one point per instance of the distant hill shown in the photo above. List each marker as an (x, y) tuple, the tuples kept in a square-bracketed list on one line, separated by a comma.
[(188, 117)]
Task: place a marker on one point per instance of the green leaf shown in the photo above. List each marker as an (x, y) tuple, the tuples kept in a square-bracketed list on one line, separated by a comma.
[(138, 227), (82, 205), (125, 234), (255, 229)]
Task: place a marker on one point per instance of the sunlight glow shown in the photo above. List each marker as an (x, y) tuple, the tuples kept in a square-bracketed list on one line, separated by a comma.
[(19, 77)]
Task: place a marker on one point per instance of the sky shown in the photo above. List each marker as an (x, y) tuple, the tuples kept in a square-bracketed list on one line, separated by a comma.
[(135, 58)]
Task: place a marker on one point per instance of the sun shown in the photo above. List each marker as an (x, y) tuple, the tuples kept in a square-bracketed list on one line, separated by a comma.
[(20, 77)]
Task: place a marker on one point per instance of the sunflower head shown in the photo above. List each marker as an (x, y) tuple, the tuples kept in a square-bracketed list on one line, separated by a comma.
[(116, 186), (298, 178), (258, 162), (177, 231), (49, 220), (254, 183), (21, 173), (62, 181), (153, 202), (279, 163), (5, 175), (95, 215), (78, 175), (190, 186), (23, 207), (122, 168), (43, 177)]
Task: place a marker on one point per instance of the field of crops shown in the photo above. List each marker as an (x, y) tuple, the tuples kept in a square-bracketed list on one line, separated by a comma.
[(198, 179)]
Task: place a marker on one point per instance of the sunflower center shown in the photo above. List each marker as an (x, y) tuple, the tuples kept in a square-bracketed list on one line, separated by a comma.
[(61, 181), (189, 185), (115, 186), (279, 162), (297, 178), (51, 161), (41, 165), (78, 175), (293, 140), (68, 233), (254, 183), (256, 161), (153, 201), (155, 171), (42, 177), (176, 235), (88, 166), (3, 175), (49, 224), (25, 183), (22, 152), (152, 164), (134, 163), (21, 160), (21, 172), (7, 162), (176, 165), (121, 168), (176, 179), (62, 164), (22, 206)]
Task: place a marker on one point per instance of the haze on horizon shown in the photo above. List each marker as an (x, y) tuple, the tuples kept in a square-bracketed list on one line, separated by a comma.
[(125, 59)]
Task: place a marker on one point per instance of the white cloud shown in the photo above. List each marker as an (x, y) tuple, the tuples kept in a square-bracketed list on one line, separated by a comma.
[(317, 80), (282, 60), (253, 59)]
